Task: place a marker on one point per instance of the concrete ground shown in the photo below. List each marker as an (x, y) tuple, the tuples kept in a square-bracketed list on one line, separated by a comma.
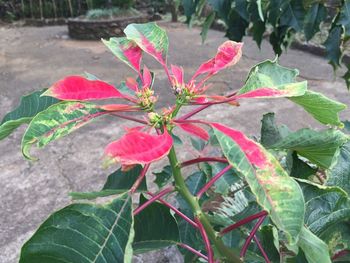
[(34, 58)]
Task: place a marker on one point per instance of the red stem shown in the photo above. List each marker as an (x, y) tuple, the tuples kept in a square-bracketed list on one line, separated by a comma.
[(129, 118), (243, 222), (341, 254), (199, 254), (199, 109), (251, 235), (154, 198), (206, 241), (261, 249), (212, 181), (203, 159), (140, 178), (183, 216)]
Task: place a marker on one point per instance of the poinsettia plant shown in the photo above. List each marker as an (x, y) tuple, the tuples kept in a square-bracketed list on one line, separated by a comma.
[(281, 198)]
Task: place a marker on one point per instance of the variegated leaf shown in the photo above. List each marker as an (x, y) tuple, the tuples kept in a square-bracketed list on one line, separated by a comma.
[(57, 121), (275, 191)]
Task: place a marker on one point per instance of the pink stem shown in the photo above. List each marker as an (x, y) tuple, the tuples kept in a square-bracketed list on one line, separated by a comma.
[(183, 216), (199, 109), (167, 73), (206, 241), (243, 222), (129, 118), (139, 179), (154, 198), (340, 254), (199, 254), (203, 159), (212, 181), (251, 235), (261, 249)]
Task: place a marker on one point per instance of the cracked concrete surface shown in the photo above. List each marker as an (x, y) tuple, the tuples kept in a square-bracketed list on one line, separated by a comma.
[(34, 58)]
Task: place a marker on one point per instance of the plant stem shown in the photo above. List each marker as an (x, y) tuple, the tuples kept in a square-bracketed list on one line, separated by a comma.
[(130, 118), (139, 179), (192, 201), (199, 254), (203, 159), (261, 249), (243, 222), (250, 237), (179, 213), (206, 241), (212, 181), (154, 198)]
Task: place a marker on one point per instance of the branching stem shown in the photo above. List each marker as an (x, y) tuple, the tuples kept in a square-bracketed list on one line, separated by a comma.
[(251, 235), (180, 186), (261, 249), (139, 179)]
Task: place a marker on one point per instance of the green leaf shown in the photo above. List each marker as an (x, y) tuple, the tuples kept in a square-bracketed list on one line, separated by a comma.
[(163, 177), (344, 17), (317, 146), (275, 191), (198, 143), (338, 238), (30, 105), (271, 74), (124, 180), (339, 172), (151, 38), (84, 233), (227, 181), (117, 182), (206, 26), (270, 132), (57, 121), (320, 107), (325, 206), (299, 168), (316, 14), (155, 228), (332, 45), (293, 15), (315, 250)]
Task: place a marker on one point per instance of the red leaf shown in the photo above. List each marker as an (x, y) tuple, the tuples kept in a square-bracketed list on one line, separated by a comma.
[(251, 149), (147, 78), (119, 107), (132, 84), (79, 88), (228, 54), (139, 148), (178, 73), (194, 130)]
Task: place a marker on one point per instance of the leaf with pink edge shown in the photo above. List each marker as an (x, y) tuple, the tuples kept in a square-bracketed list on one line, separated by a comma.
[(151, 38), (126, 50), (57, 121), (119, 107), (138, 148), (194, 130), (291, 90), (275, 191), (79, 88), (228, 54)]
